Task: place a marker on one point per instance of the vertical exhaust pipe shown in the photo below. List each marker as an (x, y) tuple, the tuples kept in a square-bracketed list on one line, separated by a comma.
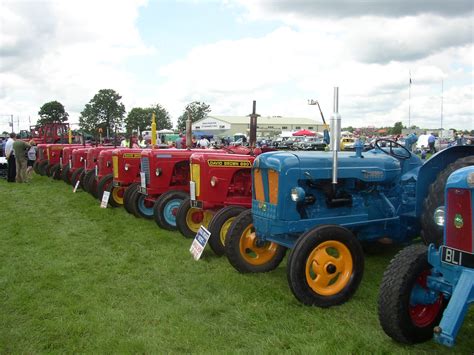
[(253, 126), (189, 133), (335, 127)]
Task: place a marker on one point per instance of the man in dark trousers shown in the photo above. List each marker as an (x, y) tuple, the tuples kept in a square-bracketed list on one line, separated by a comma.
[(21, 149), (10, 155)]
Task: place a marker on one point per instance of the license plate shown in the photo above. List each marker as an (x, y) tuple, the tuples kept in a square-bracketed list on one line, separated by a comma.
[(192, 190), (196, 204), (457, 257), (142, 190)]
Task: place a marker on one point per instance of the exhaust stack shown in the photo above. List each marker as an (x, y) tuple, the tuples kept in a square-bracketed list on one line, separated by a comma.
[(189, 133), (335, 127), (253, 126)]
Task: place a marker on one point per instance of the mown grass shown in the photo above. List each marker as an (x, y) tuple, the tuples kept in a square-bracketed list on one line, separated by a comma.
[(78, 278)]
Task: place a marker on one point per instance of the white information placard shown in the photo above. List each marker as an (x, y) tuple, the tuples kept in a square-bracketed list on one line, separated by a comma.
[(192, 190), (199, 242), (142, 179), (76, 186), (105, 199)]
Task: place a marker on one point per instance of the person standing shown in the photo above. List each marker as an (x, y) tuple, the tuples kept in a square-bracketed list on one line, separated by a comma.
[(203, 142), (31, 159), (431, 143), (10, 155), (21, 150), (179, 142)]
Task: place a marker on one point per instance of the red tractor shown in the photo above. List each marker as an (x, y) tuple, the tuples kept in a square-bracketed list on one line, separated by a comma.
[(47, 133), (126, 173), (66, 162), (76, 166), (220, 188), (164, 185), (41, 159), (54, 154), (88, 181), (104, 174)]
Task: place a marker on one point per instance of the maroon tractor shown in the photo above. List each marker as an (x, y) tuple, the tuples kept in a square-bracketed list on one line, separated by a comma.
[(66, 162), (55, 154), (104, 175)]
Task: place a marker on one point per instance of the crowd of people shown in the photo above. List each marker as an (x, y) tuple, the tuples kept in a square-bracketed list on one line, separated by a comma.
[(20, 157)]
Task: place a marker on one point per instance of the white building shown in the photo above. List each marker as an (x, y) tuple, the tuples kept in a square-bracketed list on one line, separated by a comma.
[(267, 126)]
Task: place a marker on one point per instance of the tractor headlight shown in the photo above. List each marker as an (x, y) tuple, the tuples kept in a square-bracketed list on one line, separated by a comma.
[(297, 194), (438, 216), (158, 171), (126, 167), (213, 181), (470, 179)]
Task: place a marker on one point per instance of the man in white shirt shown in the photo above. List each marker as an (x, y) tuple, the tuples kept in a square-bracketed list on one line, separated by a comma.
[(203, 142), (10, 155)]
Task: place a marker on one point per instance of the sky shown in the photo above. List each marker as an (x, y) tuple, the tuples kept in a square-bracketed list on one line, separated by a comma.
[(227, 53)]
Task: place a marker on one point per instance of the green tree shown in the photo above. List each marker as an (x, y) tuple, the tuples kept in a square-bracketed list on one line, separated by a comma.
[(397, 128), (198, 110), (52, 112), (141, 117), (104, 111)]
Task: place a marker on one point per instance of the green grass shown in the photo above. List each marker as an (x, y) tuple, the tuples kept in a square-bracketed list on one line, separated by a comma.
[(78, 278)]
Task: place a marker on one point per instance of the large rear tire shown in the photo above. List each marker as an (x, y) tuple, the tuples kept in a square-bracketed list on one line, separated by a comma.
[(76, 176), (55, 171), (401, 316), (166, 208), (189, 219), (219, 226), (126, 196), (430, 231), (66, 174), (245, 252), (326, 266), (86, 181), (42, 167), (103, 184)]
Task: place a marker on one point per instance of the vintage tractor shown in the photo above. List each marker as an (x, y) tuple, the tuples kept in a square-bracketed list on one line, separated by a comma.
[(164, 187), (104, 174), (55, 154), (220, 188), (427, 290), (66, 162), (76, 166), (88, 181), (324, 206), (41, 159), (126, 171)]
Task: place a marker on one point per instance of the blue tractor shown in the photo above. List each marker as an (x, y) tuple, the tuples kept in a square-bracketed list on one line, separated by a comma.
[(427, 290), (325, 206)]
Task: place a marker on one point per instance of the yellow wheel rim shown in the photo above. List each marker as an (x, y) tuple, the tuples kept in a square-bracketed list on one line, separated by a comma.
[(196, 217), (117, 195), (224, 229), (253, 253), (329, 268)]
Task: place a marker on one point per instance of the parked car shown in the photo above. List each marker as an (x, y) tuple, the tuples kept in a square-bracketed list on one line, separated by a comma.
[(312, 143)]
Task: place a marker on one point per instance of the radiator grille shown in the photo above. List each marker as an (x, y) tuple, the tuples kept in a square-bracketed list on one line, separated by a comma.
[(146, 168)]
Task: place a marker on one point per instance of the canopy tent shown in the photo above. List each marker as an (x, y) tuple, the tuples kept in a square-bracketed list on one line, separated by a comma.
[(303, 132), (164, 131)]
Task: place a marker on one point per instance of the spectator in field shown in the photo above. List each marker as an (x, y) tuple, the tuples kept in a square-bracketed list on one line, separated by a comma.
[(179, 142), (31, 159), (431, 143), (10, 155), (203, 142), (21, 150)]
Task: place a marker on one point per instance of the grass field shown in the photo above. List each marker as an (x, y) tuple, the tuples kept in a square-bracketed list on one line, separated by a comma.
[(78, 278)]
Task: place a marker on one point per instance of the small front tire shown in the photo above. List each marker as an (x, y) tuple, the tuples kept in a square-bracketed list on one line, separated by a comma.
[(219, 226)]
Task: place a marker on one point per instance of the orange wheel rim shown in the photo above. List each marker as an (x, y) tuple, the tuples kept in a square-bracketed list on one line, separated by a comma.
[(329, 268), (256, 253)]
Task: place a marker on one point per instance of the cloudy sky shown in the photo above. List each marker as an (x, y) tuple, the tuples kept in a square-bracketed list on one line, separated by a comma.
[(230, 52)]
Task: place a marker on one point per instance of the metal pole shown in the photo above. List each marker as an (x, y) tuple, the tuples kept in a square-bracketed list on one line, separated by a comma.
[(335, 136), (253, 126), (189, 133), (409, 103), (441, 132)]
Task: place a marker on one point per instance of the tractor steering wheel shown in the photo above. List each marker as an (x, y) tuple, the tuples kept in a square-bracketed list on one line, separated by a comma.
[(406, 154)]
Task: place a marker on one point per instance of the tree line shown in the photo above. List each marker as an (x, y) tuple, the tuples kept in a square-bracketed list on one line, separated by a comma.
[(107, 112)]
